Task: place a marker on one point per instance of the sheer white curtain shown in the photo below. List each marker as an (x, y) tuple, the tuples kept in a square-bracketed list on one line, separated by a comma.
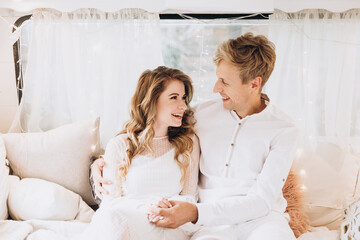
[(316, 81), (86, 64), (316, 78)]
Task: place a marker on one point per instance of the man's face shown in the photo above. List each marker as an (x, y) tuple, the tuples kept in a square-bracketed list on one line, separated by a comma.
[(235, 94)]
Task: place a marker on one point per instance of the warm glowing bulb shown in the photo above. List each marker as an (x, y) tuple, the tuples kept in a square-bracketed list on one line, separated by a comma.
[(93, 147), (299, 153), (303, 187)]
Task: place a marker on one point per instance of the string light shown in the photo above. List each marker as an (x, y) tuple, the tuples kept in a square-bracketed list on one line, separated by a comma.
[(299, 153), (302, 172), (93, 148)]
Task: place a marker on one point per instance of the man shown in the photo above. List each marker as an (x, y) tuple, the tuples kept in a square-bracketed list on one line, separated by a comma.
[(247, 147)]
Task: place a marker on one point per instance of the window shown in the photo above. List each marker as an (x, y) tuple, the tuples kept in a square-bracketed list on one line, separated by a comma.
[(187, 44)]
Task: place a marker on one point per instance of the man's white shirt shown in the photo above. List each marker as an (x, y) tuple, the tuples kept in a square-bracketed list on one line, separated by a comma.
[(244, 162)]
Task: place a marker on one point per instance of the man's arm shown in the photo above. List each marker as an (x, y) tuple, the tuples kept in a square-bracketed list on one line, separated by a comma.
[(92, 184), (264, 193), (237, 209), (97, 181), (179, 214)]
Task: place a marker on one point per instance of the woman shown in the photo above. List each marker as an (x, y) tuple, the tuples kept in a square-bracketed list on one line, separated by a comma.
[(152, 161)]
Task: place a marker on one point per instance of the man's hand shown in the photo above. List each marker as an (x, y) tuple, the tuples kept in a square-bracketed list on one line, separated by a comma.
[(175, 216), (96, 170)]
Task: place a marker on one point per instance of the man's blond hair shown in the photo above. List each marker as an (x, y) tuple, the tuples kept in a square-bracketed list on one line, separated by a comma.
[(254, 56)]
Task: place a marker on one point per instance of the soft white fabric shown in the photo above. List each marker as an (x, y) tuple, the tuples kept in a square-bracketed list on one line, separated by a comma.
[(271, 227), (33, 198), (316, 81), (60, 155), (123, 213), (4, 181), (126, 219), (244, 162), (233, 6), (329, 184), (13, 180), (320, 233), (67, 229), (146, 175), (14, 230), (21, 230), (86, 64)]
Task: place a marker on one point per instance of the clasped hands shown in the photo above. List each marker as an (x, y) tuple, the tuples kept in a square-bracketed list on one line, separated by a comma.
[(163, 213), (171, 213)]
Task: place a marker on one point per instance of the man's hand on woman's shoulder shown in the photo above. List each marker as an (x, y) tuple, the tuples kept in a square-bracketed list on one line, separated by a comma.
[(96, 172)]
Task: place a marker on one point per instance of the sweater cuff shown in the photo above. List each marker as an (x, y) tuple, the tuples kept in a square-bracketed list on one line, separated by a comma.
[(185, 198), (204, 214)]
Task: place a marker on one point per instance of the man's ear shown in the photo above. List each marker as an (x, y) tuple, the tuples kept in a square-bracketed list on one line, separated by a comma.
[(256, 84)]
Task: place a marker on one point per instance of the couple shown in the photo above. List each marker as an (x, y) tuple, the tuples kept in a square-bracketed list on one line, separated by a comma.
[(247, 146)]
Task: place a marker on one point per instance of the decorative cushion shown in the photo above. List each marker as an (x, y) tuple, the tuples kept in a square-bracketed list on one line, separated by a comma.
[(33, 198), (350, 227), (61, 155), (4, 182), (330, 181), (293, 194)]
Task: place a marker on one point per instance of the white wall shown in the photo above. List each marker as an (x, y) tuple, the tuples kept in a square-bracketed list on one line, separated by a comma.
[(8, 97)]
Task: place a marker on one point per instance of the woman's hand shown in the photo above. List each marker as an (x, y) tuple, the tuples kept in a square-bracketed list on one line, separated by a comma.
[(179, 214), (162, 203), (96, 171)]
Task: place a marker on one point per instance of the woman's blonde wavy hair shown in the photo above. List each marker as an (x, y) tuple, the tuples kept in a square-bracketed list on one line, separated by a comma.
[(139, 128)]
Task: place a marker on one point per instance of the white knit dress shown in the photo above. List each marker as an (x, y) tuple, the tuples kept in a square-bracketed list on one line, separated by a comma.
[(123, 213)]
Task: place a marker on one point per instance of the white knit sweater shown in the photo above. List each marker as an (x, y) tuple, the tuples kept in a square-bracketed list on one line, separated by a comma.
[(150, 175)]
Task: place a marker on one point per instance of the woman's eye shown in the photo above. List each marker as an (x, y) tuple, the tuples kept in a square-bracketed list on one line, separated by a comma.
[(184, 98), (173, 97)]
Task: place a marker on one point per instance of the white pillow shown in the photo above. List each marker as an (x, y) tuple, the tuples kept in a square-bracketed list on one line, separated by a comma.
[(4, 182), (33, 198), (330, 176), (61, 155)]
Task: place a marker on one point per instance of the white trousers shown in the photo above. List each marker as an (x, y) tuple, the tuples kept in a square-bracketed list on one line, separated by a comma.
[(274, 226)]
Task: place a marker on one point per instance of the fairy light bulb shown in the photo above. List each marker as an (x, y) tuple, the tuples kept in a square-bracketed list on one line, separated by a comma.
[(302, 172), (93, 148)]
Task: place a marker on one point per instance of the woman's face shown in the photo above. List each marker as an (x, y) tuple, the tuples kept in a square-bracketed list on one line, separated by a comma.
[(170, 106)]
